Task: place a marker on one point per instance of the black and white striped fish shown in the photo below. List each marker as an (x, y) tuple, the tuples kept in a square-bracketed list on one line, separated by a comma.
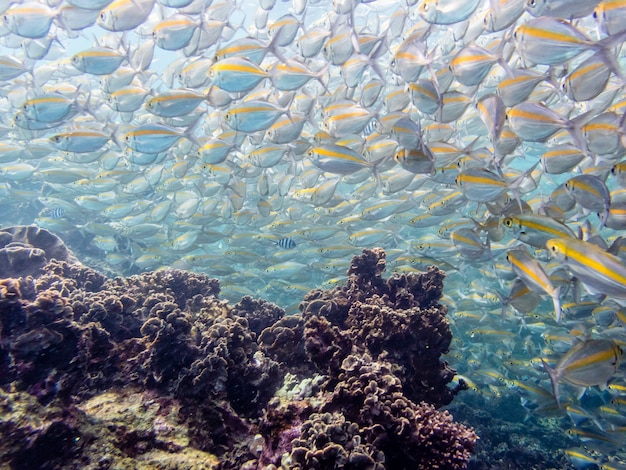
[(286, 243)]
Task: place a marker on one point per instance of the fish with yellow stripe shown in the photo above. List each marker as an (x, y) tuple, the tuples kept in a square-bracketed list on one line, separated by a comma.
[(534, 276), (599, 271), (587, 363)]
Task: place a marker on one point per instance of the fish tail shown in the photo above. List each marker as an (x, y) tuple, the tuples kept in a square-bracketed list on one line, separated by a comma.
[(505, 303), (437, 91), (604, 217), (606, 45), (320, 76), (499, 53), (556, 300), (188, 133), (516, 184), (554, 379)]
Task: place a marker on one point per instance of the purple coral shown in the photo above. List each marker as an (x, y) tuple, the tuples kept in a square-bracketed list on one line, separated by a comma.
[(398, 319), (380, 342), (25, 250), (363, 354), (259, 313)]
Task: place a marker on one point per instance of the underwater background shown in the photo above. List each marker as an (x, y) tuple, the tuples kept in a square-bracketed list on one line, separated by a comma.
[(312, 234)]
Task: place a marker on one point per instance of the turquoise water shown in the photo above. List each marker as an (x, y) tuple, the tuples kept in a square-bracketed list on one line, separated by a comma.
[(377, 119)]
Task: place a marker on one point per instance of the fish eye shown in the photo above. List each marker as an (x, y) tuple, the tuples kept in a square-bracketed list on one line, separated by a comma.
[(103, 16), (508, 222), (531, 3)]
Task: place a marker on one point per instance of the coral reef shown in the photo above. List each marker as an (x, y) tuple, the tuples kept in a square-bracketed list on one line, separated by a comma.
[(260, 313), (398, 320), (25, 250), (337, 386), (510, 438)]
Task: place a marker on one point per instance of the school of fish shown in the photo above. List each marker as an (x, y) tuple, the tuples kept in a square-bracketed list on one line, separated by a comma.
[(265, 143)]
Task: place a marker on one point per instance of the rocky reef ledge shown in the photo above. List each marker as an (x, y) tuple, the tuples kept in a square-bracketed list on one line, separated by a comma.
[(155, 371)]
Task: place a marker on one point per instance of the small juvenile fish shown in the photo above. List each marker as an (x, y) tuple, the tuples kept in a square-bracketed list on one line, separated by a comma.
[(122, 15), (29, 20), (253, 115), (447, 11), (98, 60), (236, 74)]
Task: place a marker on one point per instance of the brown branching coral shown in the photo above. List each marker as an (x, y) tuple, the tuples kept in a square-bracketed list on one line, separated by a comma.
[(25, 250), (328, 440), (259, 313), (359, 356), (397, 319), (410, 435), (409, 339)]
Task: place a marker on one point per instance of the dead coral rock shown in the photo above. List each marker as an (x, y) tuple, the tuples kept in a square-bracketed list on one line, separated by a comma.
[(280, 425), (36, 436), (25, 250)]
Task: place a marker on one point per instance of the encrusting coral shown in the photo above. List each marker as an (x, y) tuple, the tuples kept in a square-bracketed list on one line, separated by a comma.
[(353, 366)]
